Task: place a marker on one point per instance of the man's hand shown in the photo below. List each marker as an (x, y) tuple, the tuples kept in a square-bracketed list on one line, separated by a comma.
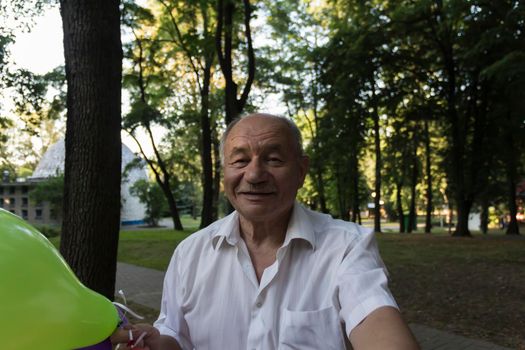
[(168, 343), (383, 329), (142, 337)]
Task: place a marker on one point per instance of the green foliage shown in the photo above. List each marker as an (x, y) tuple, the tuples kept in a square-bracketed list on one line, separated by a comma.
[(141, 114), (49, 231), (150, 194), (38, 98), (50, 190), (454, 65)]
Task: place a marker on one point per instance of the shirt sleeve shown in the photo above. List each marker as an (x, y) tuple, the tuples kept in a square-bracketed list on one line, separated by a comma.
[(171, 320), (362, 281)]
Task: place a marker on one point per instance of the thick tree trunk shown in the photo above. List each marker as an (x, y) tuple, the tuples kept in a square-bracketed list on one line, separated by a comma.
[(463, 207), (428, 214), (93, 55)]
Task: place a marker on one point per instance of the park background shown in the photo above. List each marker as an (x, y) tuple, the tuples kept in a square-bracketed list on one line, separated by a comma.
[(411, 113)]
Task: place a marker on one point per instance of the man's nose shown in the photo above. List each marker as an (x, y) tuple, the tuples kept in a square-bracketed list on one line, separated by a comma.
[(256, 172)]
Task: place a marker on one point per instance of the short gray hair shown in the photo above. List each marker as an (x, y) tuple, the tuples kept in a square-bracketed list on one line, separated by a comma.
[(296, 133)]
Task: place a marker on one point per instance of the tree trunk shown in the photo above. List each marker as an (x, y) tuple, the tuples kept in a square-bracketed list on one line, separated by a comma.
[(428, 216), (343, 212), (172, 204), (412, 215), (463, 214), (377, 148), (450, 217), (484, 216), (225, 15), (216, 174), (320, 188), (318, 166), (92, 170), (206, 160), (458, 177), (355, 184), (513, 228), (399, 206), (164, 181), (458, 139)]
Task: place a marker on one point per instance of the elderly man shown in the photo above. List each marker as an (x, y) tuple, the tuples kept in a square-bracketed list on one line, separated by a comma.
[(273, 274)]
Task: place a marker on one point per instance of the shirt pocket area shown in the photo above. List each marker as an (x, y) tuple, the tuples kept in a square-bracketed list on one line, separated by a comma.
[(311, 330)]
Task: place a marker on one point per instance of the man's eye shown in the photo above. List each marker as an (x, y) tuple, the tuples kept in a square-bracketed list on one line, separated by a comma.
[(239, 162), (275, 160)]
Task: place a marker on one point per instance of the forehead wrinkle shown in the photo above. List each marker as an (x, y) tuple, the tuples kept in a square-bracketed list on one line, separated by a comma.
[(238, 150), (260, 146)]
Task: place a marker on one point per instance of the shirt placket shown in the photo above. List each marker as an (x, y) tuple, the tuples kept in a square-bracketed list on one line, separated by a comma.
[(257, 329)]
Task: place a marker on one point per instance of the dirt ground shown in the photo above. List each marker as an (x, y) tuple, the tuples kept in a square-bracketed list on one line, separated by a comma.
[(480, 296)]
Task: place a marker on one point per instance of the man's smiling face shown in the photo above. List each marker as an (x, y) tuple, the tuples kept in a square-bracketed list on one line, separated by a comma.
[(262, 168)]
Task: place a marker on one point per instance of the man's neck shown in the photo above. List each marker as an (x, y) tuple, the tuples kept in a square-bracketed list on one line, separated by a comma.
[(263, 239), (264, 233)]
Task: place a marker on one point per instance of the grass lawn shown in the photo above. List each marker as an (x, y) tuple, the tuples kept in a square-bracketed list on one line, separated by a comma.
[(153, 247), (149, 248)]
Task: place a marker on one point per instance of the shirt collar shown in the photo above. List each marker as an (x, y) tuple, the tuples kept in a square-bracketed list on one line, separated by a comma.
[(299, 227), (228, 231)]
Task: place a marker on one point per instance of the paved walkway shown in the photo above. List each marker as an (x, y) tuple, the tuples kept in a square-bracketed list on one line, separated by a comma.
[(144, 286)]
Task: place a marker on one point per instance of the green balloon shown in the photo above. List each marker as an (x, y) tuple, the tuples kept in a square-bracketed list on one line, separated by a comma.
[(42, 303)]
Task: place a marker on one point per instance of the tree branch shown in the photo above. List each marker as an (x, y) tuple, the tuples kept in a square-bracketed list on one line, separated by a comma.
[(251, 55), (182, 44)]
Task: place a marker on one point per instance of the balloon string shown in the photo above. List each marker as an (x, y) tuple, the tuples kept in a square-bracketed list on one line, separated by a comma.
[(123, 296), (127, 309), (139, 339)]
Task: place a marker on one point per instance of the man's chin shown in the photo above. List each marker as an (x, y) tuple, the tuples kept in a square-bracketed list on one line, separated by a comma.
[(256, 209)]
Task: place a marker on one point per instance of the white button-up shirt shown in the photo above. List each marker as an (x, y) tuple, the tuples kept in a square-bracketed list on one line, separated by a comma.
[(328, 276)]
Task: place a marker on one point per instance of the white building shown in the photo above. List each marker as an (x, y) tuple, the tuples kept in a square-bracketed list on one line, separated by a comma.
[(132, 212)]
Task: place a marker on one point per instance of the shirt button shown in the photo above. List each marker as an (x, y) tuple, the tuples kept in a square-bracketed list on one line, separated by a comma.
[(259, 304)]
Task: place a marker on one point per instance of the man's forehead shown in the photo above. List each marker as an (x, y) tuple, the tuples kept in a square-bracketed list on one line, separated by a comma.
[(245, 145), (259, 127)]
